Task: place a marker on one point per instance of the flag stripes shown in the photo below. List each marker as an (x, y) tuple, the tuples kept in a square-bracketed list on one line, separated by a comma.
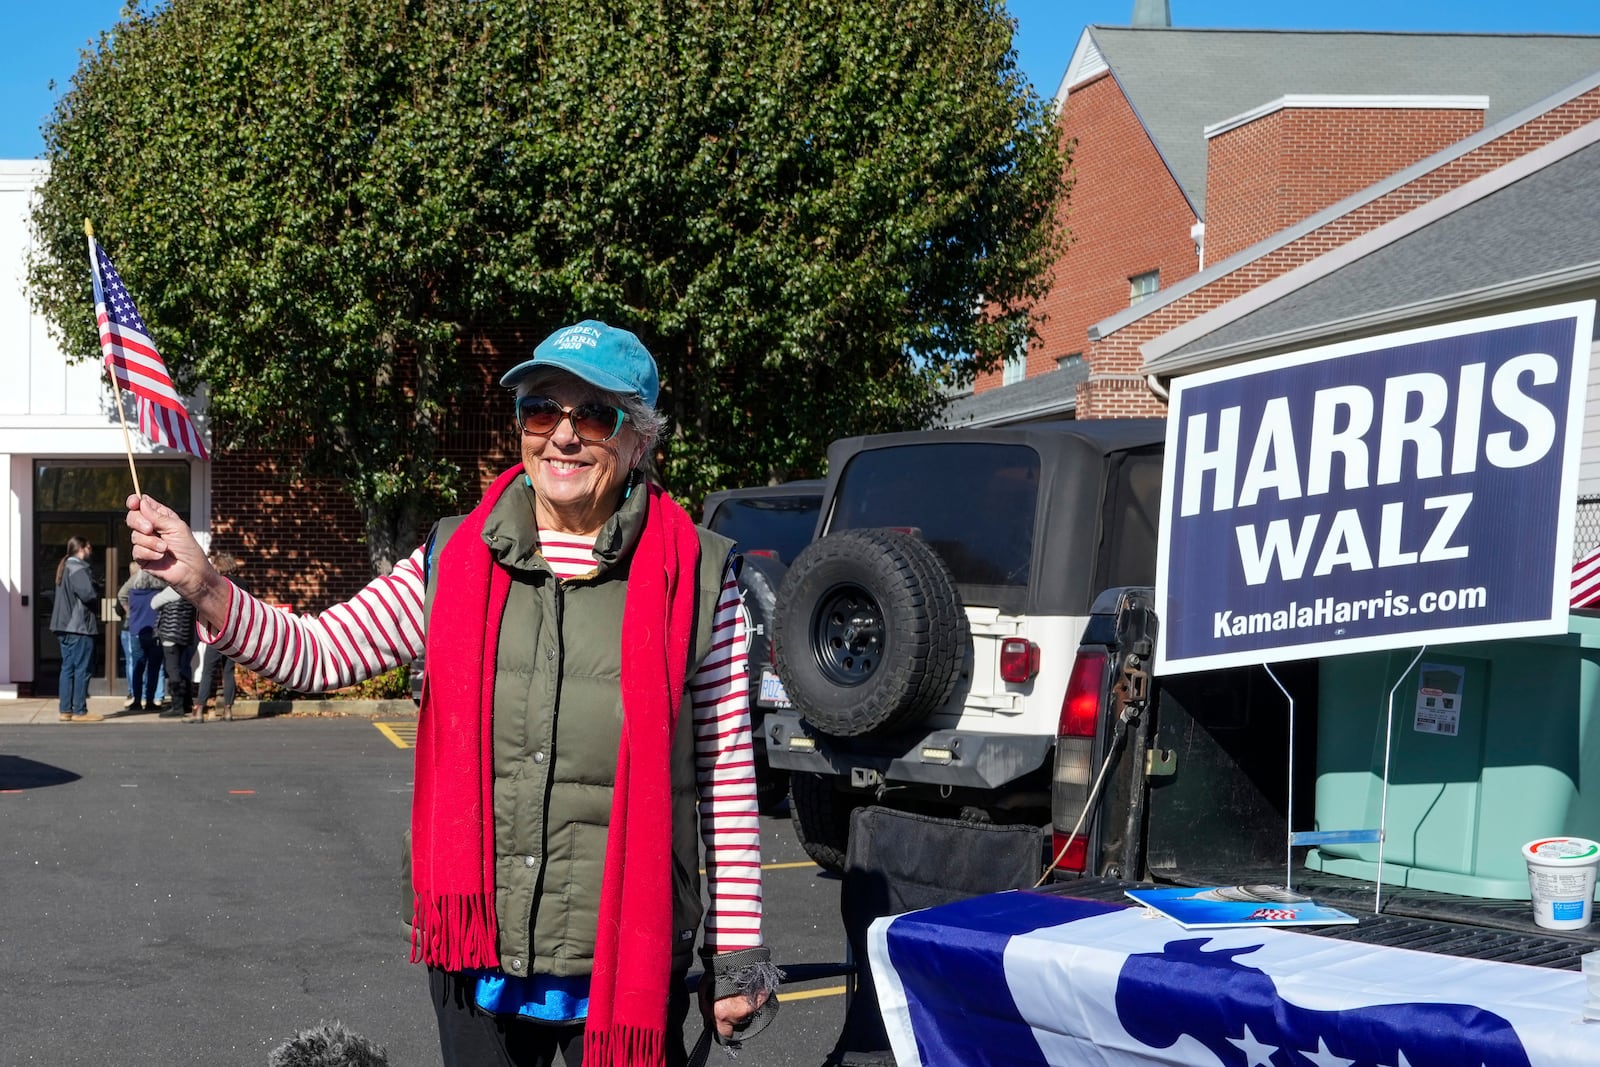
[(1586, 580), (135, 364)]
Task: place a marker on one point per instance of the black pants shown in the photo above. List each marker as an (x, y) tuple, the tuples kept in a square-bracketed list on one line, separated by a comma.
[(180, 690), (471, 1037), (215, 668)]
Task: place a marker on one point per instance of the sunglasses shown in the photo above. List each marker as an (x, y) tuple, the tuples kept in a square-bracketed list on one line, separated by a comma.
[(592, 421)]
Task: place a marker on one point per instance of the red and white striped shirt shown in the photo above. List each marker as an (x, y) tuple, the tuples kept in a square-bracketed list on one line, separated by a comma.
[(381, 627)]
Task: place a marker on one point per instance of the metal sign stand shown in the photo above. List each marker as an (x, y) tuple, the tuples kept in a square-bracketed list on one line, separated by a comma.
[(1383, 807), (1288, 856), (1347, 837)]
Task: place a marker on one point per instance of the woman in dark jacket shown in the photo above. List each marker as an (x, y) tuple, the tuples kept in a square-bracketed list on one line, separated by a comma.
[(73, 621)]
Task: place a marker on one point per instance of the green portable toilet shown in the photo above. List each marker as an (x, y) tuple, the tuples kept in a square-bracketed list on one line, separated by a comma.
[(1494, 745)]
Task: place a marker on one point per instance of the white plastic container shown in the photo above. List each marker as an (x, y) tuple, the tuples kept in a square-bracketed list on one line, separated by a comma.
[(1561, 873)]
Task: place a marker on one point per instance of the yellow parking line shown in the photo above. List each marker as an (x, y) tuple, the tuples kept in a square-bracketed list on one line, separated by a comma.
[(387, 731), (812, 994), (779, 866)]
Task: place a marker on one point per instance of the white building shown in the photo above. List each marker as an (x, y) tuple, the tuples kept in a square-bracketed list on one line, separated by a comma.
[(63, 464)]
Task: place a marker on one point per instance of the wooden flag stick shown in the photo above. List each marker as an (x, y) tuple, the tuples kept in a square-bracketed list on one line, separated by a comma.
[(116, 390)]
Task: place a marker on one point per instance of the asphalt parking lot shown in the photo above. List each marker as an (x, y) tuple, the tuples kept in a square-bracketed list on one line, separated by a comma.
[(197, 894)]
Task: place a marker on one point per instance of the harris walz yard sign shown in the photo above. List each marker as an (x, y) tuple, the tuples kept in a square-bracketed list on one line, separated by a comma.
[(1396, 491)]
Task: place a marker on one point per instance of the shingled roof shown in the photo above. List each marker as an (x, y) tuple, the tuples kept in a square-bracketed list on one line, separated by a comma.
[(1526, 231), (1179, 81), (1044, 396)]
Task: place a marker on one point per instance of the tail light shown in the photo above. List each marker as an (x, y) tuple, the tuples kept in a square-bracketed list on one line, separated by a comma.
[(1076, 857), (1074, 770), (1080, 709), (1019, 659)]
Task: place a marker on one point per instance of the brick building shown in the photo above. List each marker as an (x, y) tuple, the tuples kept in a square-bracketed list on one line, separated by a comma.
[(1196, 151), (1502, 221)]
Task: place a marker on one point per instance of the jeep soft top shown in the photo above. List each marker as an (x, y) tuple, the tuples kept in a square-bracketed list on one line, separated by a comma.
[(926, 637)]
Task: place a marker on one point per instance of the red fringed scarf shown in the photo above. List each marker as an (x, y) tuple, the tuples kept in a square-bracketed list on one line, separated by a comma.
[(452, 833)]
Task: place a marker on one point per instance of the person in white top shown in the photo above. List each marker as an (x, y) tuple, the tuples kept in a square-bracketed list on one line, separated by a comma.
[(510, 604)]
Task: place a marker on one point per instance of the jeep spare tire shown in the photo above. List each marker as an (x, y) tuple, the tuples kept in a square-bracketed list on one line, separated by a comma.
[(759, 579), (869, 632)]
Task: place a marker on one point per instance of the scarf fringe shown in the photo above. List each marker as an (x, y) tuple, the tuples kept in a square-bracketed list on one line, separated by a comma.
[(624, 1046), (455, 932)]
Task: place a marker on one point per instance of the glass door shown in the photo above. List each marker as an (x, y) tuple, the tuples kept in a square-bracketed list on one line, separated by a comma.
[(86, 499)]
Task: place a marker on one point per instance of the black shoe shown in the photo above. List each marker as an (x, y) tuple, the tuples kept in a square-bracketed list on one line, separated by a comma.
[(171, 713)]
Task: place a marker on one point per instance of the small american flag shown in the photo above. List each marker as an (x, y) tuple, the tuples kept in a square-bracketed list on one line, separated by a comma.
[(1281, 915), (1586, 580), (133, 361)]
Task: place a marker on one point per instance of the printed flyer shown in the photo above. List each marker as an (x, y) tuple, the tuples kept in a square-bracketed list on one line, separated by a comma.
[(1238, 905)]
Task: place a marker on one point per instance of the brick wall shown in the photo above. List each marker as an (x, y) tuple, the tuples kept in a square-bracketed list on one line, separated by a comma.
[(1270, 173), (1126, 216), (1120, 351), (303, 543)]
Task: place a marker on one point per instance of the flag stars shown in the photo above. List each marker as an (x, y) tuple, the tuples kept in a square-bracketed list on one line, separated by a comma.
[(1256, 1054), (1324, 1058), (1400, 1062)]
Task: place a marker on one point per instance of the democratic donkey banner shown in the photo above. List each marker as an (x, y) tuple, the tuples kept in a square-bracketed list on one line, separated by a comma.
[(1029, 979), (1416, 488)]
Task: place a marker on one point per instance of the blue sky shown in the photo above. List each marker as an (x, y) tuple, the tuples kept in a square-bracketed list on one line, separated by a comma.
[(45, 37)]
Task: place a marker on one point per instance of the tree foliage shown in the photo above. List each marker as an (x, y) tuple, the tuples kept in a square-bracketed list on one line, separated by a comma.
[(814, 213)]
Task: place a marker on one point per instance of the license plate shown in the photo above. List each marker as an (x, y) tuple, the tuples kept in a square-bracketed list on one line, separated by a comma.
[(772, 691)]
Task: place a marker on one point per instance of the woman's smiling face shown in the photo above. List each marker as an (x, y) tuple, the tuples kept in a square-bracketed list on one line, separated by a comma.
[(577, 485)]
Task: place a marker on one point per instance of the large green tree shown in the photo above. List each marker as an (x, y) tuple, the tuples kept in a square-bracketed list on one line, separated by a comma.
[(814, 212)]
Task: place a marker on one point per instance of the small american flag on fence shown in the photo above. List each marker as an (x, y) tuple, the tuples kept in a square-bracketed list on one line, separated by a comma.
[(134, 363), (1586, 580)]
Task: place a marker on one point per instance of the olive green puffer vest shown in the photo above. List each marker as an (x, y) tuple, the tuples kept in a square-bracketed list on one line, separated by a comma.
[(557, 724)]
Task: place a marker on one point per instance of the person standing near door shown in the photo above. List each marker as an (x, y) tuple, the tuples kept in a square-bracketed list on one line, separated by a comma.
[(215, 668), (145, 665), (73, 621), (175, 627)]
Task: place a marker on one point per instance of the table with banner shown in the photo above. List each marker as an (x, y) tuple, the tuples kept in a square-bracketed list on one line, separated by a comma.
[(1035, 978)]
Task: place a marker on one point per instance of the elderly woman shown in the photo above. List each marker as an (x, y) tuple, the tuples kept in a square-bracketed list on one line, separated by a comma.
[(586, 686)]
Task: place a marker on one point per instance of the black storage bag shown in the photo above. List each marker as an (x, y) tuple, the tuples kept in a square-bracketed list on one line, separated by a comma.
[(899, 862)]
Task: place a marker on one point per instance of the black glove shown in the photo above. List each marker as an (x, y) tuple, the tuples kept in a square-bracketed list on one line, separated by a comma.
[(747, 972)]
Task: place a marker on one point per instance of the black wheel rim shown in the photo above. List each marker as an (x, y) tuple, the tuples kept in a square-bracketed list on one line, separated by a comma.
[(847, 634)]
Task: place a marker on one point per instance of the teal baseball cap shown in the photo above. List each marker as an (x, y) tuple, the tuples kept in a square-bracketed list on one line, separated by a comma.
[(611, 358)]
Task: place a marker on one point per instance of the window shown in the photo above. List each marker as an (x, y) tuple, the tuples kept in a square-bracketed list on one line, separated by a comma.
[(781, 524), (1072, 360), (1016, 367), (984, 531), (1143, 285)]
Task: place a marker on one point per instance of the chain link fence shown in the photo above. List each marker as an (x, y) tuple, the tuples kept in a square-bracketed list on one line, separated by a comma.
[(1586, 527)]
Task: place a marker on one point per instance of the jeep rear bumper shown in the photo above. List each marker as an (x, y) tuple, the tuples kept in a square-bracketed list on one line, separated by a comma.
[(956, 758)]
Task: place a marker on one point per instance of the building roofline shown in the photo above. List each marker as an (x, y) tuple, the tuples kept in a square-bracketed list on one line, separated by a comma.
[(1109, 325), (1032, 413), (1442, 308), (1302, 32), (1357, 248), (1348, 100), (22, 174), (1094, 63)]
